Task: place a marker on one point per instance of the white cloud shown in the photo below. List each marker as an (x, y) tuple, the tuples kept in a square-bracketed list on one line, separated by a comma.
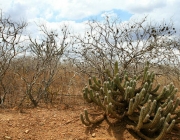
[(54, 12), (109, 14), (145, 6)]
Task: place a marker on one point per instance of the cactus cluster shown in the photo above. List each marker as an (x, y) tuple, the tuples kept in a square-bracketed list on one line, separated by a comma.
[(153, 113)]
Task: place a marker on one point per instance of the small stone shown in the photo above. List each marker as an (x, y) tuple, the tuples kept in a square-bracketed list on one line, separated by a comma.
[(68, 121), (7, 137), (27, 131), (93, 134)]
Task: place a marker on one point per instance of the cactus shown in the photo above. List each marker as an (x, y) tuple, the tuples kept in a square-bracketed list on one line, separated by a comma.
[(90, 121), (154, 113)]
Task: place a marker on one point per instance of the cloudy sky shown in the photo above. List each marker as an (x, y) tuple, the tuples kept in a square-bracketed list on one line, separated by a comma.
[(76, 12)]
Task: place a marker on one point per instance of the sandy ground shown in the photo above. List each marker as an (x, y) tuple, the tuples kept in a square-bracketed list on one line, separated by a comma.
[(59, 123)]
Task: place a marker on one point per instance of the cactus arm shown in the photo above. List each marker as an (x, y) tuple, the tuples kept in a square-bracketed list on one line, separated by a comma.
[(168, 108), (145, 74), (133, 88), (105, 89), (153, 107), (171, 87), (171, 126), (116, 69), (127, 92), (176, 104), (167, 92), (90, 81), (95, 87), (100, 103), (154, 121), (159, 125), (163, 131), (149, 87), (83, 121), (136, 102), (168, 118), (148, 106), (93, 121), (161, 94), (86, 94), (105, 102), (97, 82), (174, 92), (163, 105), (93, 98), (141, 118), (140, 134), (133, 104), (156, 89), (146, 119), (142, 93), (146, 98), (130, 109), (118, 83)]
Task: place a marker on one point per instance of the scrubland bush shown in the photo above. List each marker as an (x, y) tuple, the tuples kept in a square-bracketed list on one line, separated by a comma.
[(43, 67), (10, 47), (130, 43), (33, 70)]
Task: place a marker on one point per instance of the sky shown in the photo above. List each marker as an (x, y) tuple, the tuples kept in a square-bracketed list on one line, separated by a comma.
[(76, 12)]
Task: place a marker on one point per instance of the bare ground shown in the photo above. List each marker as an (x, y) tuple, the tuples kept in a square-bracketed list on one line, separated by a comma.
[(60, 123)]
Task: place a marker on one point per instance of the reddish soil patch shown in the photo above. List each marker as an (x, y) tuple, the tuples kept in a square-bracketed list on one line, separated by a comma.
[(59, 123)]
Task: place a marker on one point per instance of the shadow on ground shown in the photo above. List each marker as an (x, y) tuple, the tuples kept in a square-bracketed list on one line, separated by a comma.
[(116, 130)]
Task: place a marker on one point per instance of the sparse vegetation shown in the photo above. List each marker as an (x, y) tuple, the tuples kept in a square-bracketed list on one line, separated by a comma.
[(130, 43), (36, 72)]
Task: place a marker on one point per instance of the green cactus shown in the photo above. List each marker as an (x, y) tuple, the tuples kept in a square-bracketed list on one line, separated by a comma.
[(116, 69), (154, 113), (90, 121)]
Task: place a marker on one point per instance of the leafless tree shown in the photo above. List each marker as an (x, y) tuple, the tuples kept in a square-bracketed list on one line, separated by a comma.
[(10, 46), (130, 43), (45, 56)]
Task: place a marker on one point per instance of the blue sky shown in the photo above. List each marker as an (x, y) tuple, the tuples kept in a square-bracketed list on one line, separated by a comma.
[(76, 12), (123, 15)]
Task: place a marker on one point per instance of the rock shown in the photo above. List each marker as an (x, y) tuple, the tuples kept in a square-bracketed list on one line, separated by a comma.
[(93, 134), (7, 137), (27, 131)]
